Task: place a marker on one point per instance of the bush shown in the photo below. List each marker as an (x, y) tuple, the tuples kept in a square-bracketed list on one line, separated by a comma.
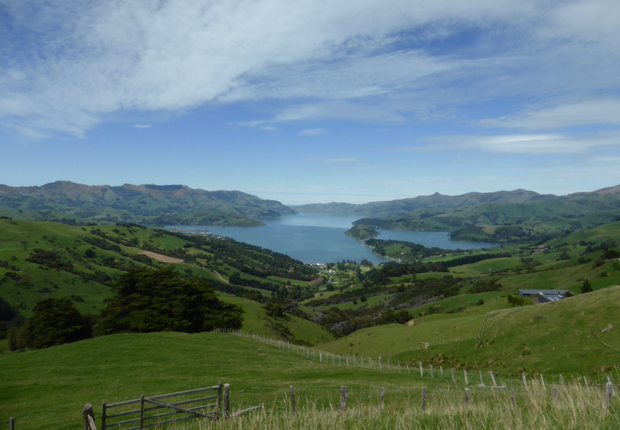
[(586, 287), (55, 321)]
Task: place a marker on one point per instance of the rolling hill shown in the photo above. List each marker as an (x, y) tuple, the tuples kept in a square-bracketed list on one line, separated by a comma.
[(146, 204)]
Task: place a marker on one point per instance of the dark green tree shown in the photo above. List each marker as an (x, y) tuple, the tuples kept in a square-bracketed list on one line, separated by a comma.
[(148, 300), (55, 321), (586, 287)]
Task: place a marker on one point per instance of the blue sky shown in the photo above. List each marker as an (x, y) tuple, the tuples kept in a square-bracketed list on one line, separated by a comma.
[(312, 101)]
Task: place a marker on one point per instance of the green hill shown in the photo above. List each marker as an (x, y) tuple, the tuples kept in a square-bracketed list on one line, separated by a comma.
[(145, 204), (48, 259)]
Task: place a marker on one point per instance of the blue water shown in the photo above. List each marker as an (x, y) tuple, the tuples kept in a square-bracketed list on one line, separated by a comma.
[(319, 237)]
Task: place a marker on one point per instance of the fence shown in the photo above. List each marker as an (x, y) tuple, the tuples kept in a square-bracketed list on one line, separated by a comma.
[(457, 376), (190, 404)]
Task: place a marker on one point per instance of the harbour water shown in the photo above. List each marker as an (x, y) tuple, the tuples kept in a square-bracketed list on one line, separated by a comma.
[(319, 237)]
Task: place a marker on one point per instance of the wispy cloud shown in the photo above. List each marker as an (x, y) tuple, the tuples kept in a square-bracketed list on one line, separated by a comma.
[(68, 66), (543, 143), (591, 112), (142, 126)]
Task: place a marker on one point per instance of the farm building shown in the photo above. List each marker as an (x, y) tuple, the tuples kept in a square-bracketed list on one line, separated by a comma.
[(529, 293), (544, 296)]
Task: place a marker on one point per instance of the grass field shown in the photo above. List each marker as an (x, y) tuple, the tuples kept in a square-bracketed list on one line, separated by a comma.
[(555, 337), (255, 319), (49, 388)]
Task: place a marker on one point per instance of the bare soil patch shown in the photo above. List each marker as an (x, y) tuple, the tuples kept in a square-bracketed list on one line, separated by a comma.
[(161, 258)]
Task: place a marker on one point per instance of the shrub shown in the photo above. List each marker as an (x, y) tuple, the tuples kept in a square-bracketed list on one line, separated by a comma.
[(55, 321)]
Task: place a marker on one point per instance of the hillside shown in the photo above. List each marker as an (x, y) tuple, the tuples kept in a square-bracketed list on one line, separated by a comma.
[(435, 201), (145, 204), (48, 259), (558, 337), (509, 222)]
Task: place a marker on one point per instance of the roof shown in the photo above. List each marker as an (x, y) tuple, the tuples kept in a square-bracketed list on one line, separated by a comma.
[(544, 292), (549, 298)]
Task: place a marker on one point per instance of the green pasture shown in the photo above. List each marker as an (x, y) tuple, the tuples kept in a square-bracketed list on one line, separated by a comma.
[(255, 322), (49, 388), (486, 266), (558, 337)]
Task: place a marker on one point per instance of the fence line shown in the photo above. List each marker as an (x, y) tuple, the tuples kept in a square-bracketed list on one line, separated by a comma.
[(456, 376)]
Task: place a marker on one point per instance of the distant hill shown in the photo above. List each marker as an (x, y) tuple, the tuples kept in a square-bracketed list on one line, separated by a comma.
[(435, 201), (499, 217), (148, 204)]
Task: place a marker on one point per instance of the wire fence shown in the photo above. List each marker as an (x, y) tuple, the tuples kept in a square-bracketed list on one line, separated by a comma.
[(461, 377)]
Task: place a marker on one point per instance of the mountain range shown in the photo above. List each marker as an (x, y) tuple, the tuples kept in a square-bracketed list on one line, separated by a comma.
[(147, 204)]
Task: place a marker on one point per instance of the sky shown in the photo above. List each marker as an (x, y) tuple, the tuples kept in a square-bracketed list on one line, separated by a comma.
[(312, 101)]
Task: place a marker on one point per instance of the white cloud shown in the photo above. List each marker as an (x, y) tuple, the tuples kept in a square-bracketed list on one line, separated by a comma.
[(67, 66), (142, 126), (591, 112), (534, 144), (313, 132)]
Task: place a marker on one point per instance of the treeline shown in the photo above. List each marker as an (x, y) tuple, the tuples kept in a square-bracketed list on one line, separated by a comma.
[(144, 301)]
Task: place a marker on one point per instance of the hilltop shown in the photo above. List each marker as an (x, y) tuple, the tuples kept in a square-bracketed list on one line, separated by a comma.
[(150, 204)]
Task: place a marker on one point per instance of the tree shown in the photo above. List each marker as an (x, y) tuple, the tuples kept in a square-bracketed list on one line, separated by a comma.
[(55, 321), (149, 300), (586, 287)]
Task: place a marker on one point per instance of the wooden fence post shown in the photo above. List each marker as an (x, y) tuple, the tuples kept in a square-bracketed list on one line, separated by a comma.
[(432, 373), (586, 381), (226, 401), (382, 397), (467, 397), (11, 423), (141, 426), (423, 399), (408, 371), (343, 398), (453, 378), (609, 390), (320, 356), (512, 398), (441, 371), (380, 364), (554, 390), (86, 412), (524, 380), (542, 379), (103, 416), (293, 405), (466, 379), (421, 369), (219, 400), (398, 366), (613, 390), (493, 378)]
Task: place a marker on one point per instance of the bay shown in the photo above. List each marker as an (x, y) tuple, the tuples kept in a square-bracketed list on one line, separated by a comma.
[(319, 237)]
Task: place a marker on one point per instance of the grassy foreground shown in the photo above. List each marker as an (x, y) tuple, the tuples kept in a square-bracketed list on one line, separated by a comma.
[(49, 388), (575, 408)]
